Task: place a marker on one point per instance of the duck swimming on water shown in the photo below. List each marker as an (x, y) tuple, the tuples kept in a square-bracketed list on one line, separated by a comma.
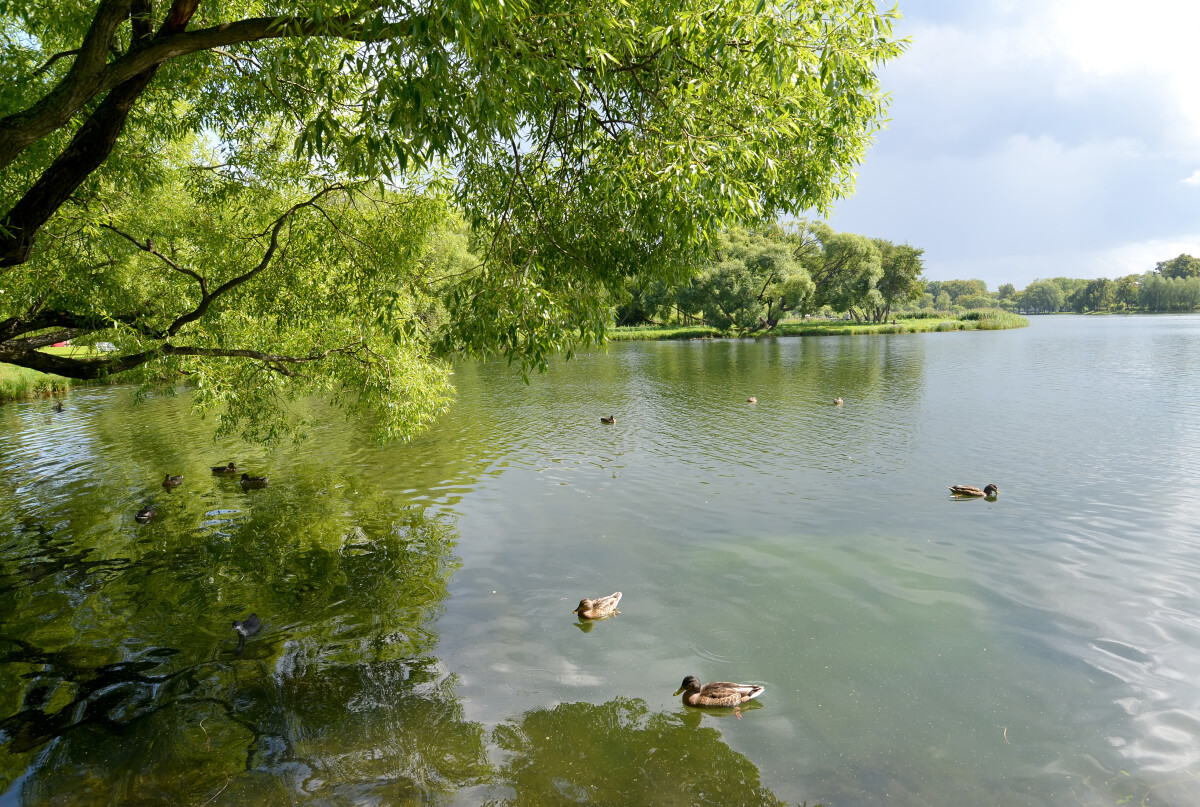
[(225, 469), (252, 482), (599, 607), (717, 694), (989, 491), (611, 420), (172, 481), (246, 627)]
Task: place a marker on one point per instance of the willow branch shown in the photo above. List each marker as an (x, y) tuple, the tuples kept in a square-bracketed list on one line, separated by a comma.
[(148, 246), (207, 299)]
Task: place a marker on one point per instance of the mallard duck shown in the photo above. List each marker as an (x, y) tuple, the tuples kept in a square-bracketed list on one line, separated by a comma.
[(249, 481), (599, 607), (172, 481), (716, 694), (837, 401), (752, 399), (970, 490), (146, 514), (57, 407), (611, 420), (225, 469)]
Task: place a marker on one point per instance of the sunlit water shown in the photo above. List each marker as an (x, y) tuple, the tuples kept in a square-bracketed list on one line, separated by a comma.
[(418, 644)]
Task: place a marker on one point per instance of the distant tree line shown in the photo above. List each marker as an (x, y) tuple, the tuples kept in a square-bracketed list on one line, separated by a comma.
[(1172, 285), (756, 278)]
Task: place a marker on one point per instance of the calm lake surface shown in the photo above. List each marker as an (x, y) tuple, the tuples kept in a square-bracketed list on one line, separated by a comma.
[(417, 641)]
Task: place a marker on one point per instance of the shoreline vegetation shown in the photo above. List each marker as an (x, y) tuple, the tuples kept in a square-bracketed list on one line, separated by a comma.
[(19, 383), (988, 320)]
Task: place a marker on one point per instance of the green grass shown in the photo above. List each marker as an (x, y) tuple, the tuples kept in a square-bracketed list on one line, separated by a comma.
[(649, 332), (982, 320), (17, 383)]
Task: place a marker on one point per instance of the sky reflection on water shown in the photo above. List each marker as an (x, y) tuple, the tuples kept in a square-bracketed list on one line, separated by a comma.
[(418, 642)]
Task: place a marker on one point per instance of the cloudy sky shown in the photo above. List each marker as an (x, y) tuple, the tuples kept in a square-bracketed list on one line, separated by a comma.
[(1036, 138)]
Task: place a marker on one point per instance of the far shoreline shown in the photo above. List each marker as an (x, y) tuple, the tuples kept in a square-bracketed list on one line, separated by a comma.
[(968, 321), (20, 384)]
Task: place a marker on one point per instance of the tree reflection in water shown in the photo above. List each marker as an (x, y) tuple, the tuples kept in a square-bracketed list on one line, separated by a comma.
[(119, 681), (620, 753)]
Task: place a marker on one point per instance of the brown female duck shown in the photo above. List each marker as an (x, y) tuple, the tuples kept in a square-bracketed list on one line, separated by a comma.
[(989, 491), (599, 607), (717, 694)]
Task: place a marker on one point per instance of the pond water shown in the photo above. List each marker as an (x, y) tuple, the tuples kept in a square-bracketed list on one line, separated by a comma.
[(418, 643)]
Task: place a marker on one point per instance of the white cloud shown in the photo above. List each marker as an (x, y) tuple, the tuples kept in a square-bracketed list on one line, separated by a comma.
[(1037, 138), (1129, 71), (1154, 40)]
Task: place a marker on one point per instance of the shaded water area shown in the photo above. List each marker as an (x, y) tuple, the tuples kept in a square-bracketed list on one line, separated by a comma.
[(417, 641)]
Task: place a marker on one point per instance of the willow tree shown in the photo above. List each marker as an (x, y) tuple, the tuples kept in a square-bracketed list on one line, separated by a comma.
[(581, 141), (753, 282)]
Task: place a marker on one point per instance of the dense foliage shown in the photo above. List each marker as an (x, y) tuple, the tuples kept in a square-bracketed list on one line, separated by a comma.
[(258, 195), (758, 277)]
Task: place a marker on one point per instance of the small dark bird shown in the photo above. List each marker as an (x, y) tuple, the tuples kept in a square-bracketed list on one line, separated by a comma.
[(246, 627), (172, 481), (253, 481), (599, 607), (752, 399), (717, 694), (146, 514), (990, 491), (611, 420), (57, 407), (224, 469)]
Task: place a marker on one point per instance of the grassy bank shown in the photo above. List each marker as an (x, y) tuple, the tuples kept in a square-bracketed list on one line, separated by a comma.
[(650, 332), (18, 383), (970, 321)]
